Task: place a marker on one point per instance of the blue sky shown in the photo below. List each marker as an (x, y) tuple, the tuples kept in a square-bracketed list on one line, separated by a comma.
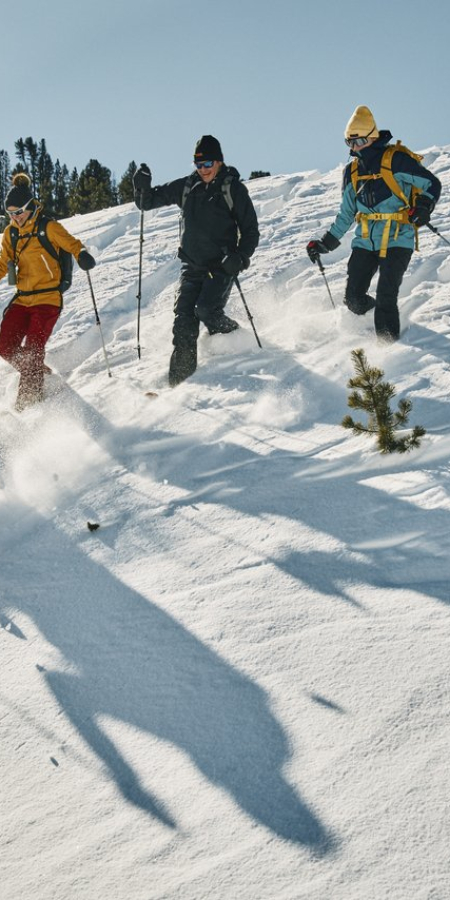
[(275, 81)]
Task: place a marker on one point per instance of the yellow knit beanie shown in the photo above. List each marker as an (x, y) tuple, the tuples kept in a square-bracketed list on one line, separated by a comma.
[(361, 124)]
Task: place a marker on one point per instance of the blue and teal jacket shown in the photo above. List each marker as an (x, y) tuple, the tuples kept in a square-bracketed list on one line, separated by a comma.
[(374, 196)]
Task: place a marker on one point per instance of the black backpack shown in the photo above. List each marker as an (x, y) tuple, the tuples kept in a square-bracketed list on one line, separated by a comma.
[(225, 188), (63, 257)]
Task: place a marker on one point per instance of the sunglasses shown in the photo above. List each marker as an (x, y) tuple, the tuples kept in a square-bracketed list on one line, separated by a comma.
[(357, 142), (14, 213), (204, 165)]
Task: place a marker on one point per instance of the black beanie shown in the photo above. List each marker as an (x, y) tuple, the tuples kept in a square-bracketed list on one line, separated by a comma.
[(20, 192), (207, 148)]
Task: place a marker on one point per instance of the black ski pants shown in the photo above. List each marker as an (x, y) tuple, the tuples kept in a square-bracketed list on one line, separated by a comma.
[(201, 297), (362, 266)]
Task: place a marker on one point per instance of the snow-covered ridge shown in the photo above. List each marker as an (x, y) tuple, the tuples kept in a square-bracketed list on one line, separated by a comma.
[(237, 686)]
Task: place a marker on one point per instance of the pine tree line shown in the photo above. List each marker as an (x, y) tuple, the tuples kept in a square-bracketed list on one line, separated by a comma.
[(64, 193)]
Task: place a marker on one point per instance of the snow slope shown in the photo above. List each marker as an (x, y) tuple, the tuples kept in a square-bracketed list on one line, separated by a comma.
[(237, 687)]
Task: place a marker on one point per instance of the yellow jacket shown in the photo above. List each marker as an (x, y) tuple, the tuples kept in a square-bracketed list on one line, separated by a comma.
[(35, 268)]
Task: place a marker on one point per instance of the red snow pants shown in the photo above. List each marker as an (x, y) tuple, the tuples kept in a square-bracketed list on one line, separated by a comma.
[(24, 333)]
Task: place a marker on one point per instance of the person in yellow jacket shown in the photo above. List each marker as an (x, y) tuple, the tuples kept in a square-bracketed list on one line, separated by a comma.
[(30, 317)]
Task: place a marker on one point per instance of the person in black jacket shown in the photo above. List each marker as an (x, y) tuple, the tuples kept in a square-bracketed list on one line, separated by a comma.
[(219, 233)]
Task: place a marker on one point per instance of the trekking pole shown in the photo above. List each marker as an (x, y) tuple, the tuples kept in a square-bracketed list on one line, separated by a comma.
[(438, 233), (320, 264), (97, 319), (138, 295), (250, 317)]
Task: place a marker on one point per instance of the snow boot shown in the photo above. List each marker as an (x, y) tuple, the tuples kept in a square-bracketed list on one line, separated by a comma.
[(183, 363), (26, 398), (222, 325), (360, 305)]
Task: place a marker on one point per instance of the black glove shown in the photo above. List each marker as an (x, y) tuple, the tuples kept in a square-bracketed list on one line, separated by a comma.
[(236, 262), (85, 261), (315, 248), (420, 214), (142, 178)]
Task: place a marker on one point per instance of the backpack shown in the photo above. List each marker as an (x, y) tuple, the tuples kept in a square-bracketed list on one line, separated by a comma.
[(225, 188), (386, 173), (400, 217), (63, 257)]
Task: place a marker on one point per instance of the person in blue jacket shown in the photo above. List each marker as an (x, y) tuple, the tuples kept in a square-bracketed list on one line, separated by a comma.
[(390, 195)]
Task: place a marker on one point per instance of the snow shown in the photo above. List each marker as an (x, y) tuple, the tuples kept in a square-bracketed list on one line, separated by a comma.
[(237, 687)]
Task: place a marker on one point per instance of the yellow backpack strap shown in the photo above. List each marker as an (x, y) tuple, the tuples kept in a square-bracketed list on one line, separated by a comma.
[(386, 173), (400, 218), (354, 175), (386, 169)]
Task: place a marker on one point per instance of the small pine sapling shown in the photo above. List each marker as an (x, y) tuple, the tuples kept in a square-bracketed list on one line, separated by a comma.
[(373, 395)]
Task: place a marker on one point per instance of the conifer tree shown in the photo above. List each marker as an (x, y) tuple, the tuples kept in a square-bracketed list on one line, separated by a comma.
[(61, 188), (72, 193), (95, 189), (31, 163), (5, 178), (20, 153), (125, 186), (114, 191), (18, 168), (45, 171), (373, 395)]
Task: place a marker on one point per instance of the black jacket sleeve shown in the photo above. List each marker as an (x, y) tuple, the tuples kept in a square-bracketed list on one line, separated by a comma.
[(245, 215), (169, 194)]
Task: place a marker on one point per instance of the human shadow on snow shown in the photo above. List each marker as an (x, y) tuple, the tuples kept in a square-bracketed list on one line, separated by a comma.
[(134, 663)]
